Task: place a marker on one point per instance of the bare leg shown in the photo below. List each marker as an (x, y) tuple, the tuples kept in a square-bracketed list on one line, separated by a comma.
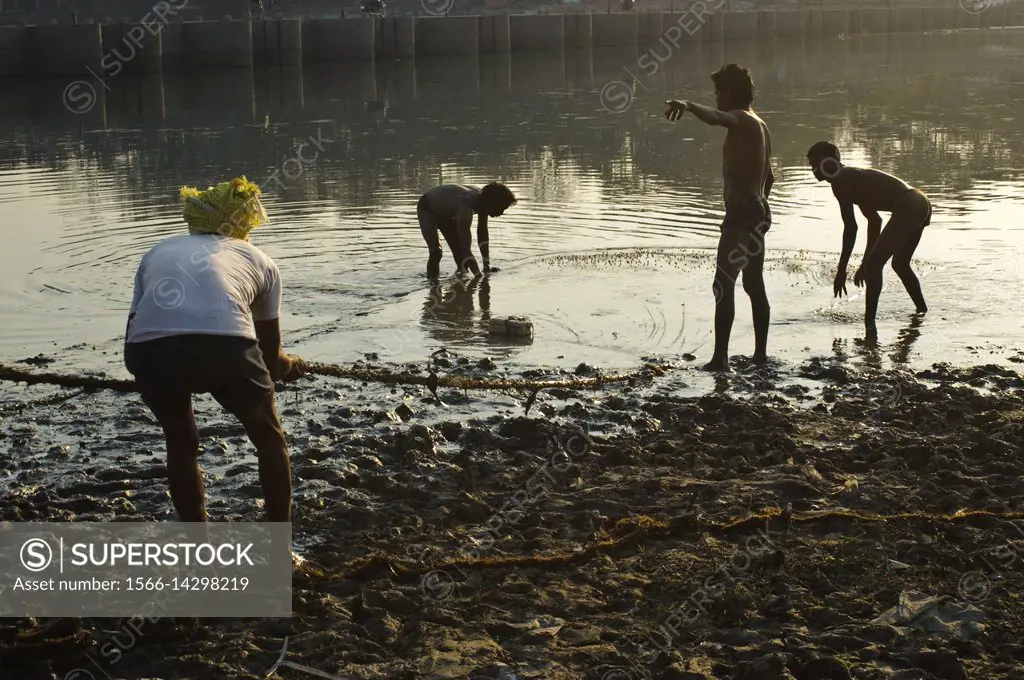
[(264, 429), (753, 284), (429, 229), (899, 231), (183, 475), (468, 260), (448, 230), (724, 288), (873, 283), (901, 265)]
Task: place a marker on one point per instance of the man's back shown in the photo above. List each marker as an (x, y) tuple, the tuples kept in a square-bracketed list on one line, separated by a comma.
[(746, 157), (871, 190), (445, 200), (203, 284)]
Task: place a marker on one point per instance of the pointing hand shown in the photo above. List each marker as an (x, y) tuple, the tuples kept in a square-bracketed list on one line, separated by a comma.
[(675, 109)]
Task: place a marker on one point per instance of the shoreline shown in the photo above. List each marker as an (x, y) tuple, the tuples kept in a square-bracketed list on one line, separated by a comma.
[(435, 548)]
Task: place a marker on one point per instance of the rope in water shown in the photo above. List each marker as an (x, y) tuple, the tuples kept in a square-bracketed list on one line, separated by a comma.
[(432, 381)]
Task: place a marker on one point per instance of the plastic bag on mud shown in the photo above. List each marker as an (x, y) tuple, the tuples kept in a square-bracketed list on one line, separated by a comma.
[(934, 614)]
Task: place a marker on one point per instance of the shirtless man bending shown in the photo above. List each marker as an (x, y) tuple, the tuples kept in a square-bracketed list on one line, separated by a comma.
[(449, 209), (748, 179), (873, 191)]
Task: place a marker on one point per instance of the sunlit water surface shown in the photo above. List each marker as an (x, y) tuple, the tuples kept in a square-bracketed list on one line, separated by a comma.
[(609, 250)]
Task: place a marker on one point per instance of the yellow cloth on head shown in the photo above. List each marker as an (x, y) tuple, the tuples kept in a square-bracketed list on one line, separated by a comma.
[(229, 209)]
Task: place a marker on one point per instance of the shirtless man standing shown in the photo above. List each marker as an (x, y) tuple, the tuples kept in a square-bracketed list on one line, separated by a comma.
[(748, 178), (449, 209), (873, 191)]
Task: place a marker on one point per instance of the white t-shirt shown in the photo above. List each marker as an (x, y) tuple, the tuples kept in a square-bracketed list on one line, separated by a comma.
[(206, 284)]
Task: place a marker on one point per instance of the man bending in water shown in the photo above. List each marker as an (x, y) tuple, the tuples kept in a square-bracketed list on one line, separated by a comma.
[(449, 209), (873, 191), (748, 179)]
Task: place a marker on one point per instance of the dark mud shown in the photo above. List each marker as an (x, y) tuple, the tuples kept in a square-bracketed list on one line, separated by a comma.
[(766, 530)]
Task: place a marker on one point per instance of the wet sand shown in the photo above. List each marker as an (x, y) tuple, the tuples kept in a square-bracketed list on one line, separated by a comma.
[(764, 530)]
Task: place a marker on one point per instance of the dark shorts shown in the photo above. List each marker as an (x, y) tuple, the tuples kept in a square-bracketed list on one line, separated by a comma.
[(170, 370)]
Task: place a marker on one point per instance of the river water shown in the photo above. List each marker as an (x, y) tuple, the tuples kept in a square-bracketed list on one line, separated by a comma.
[(609, 250)]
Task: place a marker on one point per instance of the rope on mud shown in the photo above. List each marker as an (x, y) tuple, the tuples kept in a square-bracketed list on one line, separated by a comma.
[(45, 401), (432, 381), (629, 531)]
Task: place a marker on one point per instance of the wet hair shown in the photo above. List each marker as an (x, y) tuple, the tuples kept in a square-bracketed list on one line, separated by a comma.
[(497, 194), (737, 81), (821, 151)]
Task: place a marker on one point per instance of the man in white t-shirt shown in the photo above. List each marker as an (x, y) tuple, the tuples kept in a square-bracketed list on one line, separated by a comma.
[(205, 319)]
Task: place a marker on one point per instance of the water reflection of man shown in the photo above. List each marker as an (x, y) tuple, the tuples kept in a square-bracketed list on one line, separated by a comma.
[(905, 341), (448, 309)]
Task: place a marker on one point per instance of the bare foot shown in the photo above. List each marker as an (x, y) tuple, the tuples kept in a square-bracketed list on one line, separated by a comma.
[(717, 365), (870, 339), (760, 360)]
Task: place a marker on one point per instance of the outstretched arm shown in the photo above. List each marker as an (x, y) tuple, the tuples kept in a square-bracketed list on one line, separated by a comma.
[(705, 113)]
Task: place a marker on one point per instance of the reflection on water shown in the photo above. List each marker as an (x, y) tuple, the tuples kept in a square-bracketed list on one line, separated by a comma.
[(449, 312), (83, 196)]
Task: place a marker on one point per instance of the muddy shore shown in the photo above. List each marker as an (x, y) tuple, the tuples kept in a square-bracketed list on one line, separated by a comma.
[(769, 529)]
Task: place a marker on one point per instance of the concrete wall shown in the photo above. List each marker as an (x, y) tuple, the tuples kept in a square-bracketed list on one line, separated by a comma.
[(791, 23), (875, 21), (712, 29), (396, 37), (447, 35), (907, 19), (64, 50), (739, 25), (131, 49), (942, 19), (965, 20), (537, 32), (996, 17), (767, 24), (495, 34), (650, 27), (277, 42), (579, 31), (115, 48), (615, 30), (171, 47), (331, 41), (1016, 14), (836, 22), (814, 23), (217, 44), (13, 51)]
